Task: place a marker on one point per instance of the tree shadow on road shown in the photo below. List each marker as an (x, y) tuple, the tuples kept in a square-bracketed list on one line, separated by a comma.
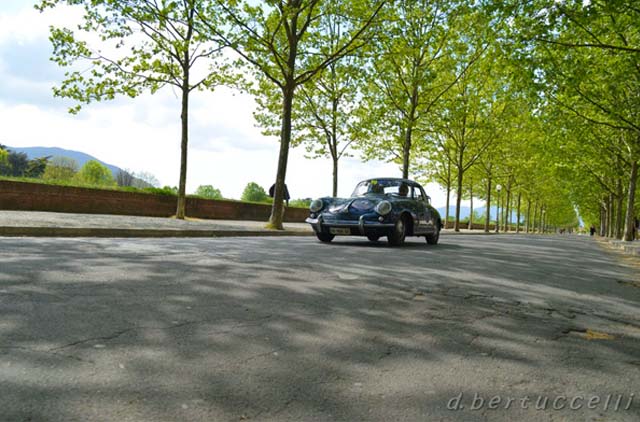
[(294, 329)]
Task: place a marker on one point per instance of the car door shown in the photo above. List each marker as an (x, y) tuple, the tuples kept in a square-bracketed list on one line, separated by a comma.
[(421, 209), (430, 214)]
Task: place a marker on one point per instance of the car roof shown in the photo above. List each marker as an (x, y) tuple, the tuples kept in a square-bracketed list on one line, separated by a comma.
[(399, 179)]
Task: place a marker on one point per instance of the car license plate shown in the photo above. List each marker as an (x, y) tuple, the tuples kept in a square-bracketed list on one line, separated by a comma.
[(338, 230)]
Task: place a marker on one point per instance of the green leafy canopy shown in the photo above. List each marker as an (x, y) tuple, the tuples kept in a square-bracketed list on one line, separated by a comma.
[(135, 46)]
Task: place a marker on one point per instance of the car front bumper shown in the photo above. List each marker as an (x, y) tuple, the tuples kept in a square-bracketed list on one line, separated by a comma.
[(362, 226)]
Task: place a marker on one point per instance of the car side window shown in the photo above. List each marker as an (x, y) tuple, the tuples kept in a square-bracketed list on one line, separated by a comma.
[(417, 194), (423, 196)]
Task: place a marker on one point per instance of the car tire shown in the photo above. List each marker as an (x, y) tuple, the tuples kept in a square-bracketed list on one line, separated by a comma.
[(397, 236), (373, 237), (325, 237), (432, 239)]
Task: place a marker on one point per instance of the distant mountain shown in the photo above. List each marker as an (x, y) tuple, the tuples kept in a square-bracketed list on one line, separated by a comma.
[(464, 211), (79, 157)]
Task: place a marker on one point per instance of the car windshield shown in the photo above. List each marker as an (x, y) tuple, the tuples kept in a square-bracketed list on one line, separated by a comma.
[(381, 187)]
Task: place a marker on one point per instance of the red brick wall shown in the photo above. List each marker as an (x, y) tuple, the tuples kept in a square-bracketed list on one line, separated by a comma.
[(23, 196)]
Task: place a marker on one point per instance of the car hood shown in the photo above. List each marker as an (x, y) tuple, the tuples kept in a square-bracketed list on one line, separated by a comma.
[(358, 204)]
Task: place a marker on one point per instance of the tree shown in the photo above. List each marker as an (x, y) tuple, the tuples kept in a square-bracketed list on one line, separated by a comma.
[(323, 118), (61, 169), (151, 44), (4, 155), (470, 117), (286, 45), (253, 192), (95, 174), (170, 190), (411, 69), (433, 166), (144, 179), (36, 167), (208, 192), (124, 178), (15, 164), (300, 203)]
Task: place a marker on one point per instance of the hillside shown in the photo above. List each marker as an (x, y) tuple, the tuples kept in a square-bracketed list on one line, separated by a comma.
[(79, 157)]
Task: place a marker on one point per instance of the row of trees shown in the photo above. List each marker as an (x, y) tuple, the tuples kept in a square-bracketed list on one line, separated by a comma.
[(152, 44), (587, 58), (539, 98), (253, 192), (566, 138)]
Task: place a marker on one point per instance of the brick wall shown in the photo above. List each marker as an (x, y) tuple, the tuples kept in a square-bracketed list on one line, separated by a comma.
[(23, 196)]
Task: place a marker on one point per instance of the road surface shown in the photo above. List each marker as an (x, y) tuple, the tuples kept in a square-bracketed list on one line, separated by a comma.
[(268, 329)]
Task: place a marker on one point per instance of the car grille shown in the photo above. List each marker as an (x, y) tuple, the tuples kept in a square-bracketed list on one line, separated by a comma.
[(328, 218)]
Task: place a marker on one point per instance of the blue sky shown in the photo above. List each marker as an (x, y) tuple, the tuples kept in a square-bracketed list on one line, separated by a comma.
[(227, 150)]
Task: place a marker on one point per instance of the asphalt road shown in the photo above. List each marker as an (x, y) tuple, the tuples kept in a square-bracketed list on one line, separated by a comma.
[(290, 329)]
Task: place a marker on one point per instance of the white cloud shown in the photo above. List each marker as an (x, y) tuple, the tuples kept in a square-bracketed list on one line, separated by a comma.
[(23, 23)]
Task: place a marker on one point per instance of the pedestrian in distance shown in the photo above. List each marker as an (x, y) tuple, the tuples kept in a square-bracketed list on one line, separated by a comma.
[(272, 191), (592, 230)]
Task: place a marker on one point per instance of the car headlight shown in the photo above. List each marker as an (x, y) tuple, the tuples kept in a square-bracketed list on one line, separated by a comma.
[(383, 207), (316, 205)]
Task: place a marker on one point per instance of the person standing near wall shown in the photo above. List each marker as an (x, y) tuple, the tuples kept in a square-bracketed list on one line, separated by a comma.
[(286, 197)]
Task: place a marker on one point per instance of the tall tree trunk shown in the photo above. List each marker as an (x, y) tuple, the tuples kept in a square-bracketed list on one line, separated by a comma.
[(612, 229), (498, 213), (610, 215), (501, 200), (406, 152), (335, 177), (629, 231), (535, 217), (471, 206), (507, 216), (456, 224), (603, 219), (275, 220), (619, 209), (446, 218), (184, 118), (518, 214), (487, 219), (408, 140), (334, 139), (528, 225), (184, 143)]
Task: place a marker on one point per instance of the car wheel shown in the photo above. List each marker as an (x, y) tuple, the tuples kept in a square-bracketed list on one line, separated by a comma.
[(432, 239), (325, 237), (373, 237), (396, 238)]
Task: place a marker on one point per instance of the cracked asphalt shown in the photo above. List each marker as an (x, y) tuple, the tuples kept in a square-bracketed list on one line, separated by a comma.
[(274, 329)]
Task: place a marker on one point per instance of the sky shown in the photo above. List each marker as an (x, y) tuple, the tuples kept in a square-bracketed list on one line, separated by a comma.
[(226, 148)]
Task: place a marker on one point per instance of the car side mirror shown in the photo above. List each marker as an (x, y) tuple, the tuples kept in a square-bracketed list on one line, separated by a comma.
[(428, 200)]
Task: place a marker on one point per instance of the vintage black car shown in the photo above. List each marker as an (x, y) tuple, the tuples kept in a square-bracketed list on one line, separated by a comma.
[(390, 207)]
